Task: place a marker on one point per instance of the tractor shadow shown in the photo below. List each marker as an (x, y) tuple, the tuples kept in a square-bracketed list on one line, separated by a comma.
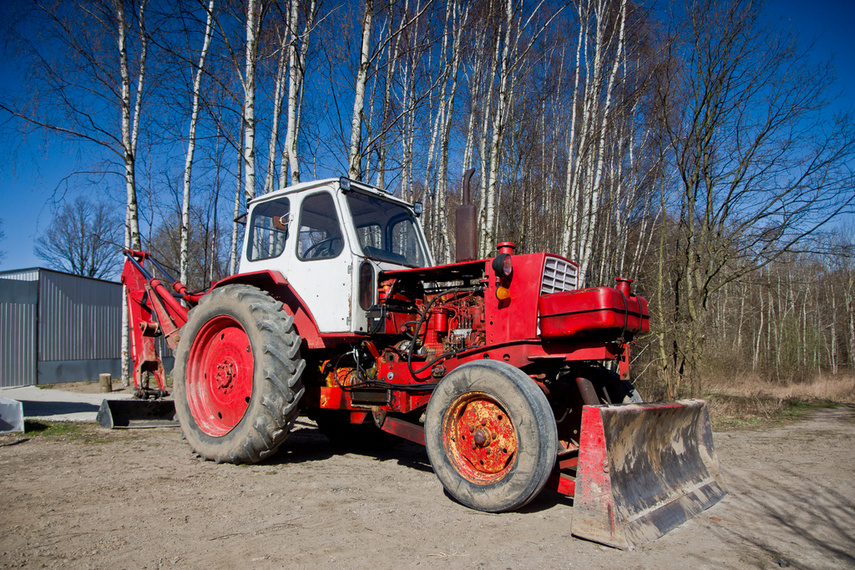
[(307, 444), (797, 510)]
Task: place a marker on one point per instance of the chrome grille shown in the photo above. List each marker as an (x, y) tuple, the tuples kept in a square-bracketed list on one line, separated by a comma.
[(558, 275)]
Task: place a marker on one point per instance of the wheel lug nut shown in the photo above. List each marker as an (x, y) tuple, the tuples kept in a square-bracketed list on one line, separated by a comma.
[(481, 437)]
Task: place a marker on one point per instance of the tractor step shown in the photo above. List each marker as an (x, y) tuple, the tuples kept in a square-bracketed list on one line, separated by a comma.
[(644, 469), (134, 413)]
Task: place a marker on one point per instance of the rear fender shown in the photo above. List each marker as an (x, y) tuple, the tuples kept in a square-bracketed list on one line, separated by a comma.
[(280, 289)]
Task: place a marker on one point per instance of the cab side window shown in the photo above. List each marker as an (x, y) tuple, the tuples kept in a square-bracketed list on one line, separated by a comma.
[(320, 233), (268, 229)]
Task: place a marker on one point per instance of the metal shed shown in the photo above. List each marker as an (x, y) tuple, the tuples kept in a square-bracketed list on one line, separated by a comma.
[(57, 327)]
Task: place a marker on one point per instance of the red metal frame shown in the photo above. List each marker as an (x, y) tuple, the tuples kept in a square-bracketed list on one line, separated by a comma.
[(152, 311)]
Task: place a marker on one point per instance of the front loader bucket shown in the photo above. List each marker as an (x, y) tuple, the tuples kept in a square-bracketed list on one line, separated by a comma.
[(643, 470), (136, 413)]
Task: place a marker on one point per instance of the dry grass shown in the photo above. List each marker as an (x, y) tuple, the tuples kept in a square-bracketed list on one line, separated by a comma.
[(751, 401), (839, 389)]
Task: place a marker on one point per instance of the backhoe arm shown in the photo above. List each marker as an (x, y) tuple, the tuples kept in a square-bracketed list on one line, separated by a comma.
[(152, 311)]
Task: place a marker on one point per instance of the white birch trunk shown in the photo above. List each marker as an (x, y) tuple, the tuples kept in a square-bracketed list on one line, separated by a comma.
[(278, 96), (571, 198), (833, 332), (384, 117), (233, 250), (500, 119), (755, 361), (850, 308), (296, 77), (191, 146), (486, 159), (444, 232), (475, 90), (354, 154), (130, 131), (593, 204), (252, 20)]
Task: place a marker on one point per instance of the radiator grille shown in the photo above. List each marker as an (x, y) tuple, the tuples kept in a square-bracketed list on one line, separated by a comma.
[(558, 275)]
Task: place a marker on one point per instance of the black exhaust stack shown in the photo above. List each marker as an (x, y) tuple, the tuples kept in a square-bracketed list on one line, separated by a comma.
[(466, 226)]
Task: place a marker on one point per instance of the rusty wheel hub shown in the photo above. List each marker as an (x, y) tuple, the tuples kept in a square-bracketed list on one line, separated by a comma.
[(480, 438)]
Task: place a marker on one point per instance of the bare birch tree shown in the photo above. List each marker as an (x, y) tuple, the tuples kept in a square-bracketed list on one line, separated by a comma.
[(254, 16), (297, 59), (83, 240), (191, 141), (354, 152), (84, 91), (600, 53)]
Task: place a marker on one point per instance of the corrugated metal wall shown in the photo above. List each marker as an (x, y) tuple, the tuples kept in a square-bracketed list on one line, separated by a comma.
[(18, 327), (56, 327), (79, 319), (80, 328)]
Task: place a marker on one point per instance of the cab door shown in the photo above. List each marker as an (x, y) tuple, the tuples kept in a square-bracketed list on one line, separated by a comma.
[(321, 271)]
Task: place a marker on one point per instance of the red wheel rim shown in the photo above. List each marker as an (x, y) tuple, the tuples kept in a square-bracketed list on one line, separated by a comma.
[(219, 376), (479, 438)]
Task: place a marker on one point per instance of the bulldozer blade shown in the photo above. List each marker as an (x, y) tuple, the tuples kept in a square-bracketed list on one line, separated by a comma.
[(133, 413), (644, 469)]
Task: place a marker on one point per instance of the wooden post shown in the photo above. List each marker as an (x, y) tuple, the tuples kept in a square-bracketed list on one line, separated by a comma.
[(106, 383)]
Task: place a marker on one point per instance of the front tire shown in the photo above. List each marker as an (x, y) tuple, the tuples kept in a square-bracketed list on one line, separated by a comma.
[(237, 375), (490, 436)]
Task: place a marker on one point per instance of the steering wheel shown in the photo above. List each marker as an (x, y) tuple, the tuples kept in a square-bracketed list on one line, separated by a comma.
[(323, 248)]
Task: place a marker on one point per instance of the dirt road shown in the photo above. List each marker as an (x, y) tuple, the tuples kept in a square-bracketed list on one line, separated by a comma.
[(120, 499)]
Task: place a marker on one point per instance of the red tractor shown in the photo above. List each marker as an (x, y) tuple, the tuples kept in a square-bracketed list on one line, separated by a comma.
[(499, 366)]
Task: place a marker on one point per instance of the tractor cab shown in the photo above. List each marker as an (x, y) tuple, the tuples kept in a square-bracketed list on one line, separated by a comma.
[(330, 237)]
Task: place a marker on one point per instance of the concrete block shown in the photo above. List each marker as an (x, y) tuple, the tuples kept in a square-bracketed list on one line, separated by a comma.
[(11, 416)]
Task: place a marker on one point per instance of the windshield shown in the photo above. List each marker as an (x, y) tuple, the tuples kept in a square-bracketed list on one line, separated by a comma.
[(387, 231)]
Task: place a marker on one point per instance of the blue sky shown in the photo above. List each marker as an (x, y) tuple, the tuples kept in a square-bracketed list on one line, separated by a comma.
[(31, 175)]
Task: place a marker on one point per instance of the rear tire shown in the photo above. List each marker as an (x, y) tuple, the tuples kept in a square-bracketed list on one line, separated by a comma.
[(490, 436), (237, 375)]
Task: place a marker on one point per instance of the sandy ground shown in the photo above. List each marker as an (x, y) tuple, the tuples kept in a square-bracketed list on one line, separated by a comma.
[(140, 499)]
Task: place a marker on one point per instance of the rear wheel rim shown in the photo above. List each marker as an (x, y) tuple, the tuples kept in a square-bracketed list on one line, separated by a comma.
[(479, 438), (219, 376)]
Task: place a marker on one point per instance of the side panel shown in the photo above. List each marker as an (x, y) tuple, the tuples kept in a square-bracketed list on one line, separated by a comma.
[(514, 318), (326, 287)]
